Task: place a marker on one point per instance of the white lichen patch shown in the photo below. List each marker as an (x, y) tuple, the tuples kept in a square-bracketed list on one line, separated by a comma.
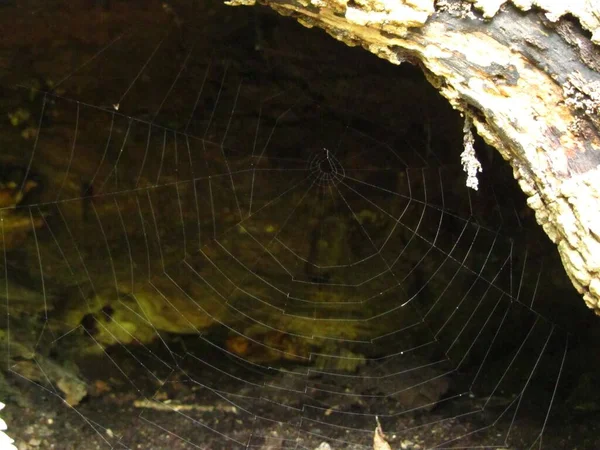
[(478, 48), (587, 11), (595, 287), (319, 3), (386, 53), (397, 13), (460, 9), (240, 2), (434, 51), (583, 97)]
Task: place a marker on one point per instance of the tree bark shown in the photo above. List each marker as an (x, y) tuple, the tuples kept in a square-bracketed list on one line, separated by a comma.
[(529, 79)]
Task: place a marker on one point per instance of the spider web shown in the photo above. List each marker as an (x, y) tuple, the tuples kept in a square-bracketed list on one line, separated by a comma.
[(325, 270)]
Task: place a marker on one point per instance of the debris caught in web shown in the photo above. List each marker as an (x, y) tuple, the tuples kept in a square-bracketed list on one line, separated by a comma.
[(470, 163)]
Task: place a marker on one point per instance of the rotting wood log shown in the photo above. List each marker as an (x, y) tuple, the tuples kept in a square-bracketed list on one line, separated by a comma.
[(526, 72)]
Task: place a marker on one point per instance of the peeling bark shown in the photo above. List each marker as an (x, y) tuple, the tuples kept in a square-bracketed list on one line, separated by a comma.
[(586, 11), (529, 81)]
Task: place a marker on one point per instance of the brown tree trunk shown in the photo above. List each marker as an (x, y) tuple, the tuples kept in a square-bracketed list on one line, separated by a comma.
[(528, 78)]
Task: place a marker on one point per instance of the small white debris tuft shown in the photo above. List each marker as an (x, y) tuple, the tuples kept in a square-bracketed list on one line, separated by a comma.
[(6, 443), (470, 163)]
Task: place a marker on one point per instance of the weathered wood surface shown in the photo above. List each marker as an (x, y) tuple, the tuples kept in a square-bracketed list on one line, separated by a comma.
[(530, 81)]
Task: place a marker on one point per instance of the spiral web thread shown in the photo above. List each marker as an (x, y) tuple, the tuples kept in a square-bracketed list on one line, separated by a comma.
[(358, 266)]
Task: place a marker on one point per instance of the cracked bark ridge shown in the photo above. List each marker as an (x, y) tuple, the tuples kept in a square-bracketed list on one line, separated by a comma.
[(529, 81)]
